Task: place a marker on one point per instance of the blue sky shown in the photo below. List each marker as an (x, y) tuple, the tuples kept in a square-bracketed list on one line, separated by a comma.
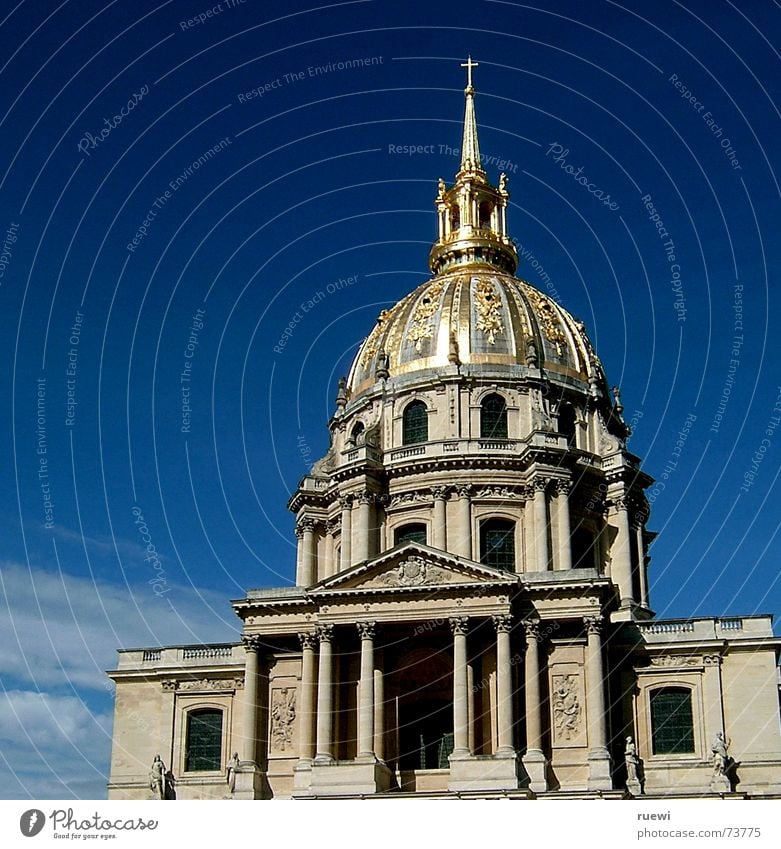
[(176, 191)]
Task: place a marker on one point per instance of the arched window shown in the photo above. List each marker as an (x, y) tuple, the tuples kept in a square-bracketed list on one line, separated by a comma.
[(672, 724), (497, 544), (356, 437), (567, 423), (415, 423), (415, 532), (493, 417), (484, 212), (203, 746)]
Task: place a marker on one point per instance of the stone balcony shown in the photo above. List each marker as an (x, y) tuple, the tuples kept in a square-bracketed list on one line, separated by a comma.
[(181, 657), (666, 631)]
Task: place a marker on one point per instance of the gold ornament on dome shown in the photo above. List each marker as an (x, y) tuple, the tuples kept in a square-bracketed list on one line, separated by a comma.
[(371, 345), (421, 327), (548, 319), (488, 305)]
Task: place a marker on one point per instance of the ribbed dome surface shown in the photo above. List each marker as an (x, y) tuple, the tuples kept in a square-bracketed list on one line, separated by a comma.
[(477, 316)]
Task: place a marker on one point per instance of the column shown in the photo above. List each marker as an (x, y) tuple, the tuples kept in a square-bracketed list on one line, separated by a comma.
[(439, 540), (250, 723), (621, 555), (459, 628), (534, 760), (366, 692), (330, 566), (362, 527), (564, 559), (346, 559), (642, 563), (299, 532), (325, 696), (541, 525), (504, 686), (306, 706), (379, 706), (308, 576), (462, 544), (598, 757)]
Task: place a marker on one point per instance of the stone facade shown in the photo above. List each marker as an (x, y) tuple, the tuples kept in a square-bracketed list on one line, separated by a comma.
[(471, 612)]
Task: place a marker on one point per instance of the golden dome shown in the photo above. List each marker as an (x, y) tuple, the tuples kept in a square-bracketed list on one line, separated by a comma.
[(474, 312), (482, 317)]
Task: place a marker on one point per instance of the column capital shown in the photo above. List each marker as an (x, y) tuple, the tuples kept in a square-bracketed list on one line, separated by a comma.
[(299, 530), (531, 628), (332, 526), (464, 490), (325, 633), (308, 640), (252, 643), (620, 502), (562, 486), (439, 493), (307, 524), (367, 630), (712, 659), (503, 623), (594, 624), (345, 501), (365, 497), (459, 625)]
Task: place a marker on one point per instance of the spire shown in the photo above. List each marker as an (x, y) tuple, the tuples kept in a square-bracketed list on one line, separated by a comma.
[(472, 212), (470, 147)]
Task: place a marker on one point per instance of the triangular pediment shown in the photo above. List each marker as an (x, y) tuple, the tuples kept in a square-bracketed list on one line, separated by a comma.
[(414, 566)]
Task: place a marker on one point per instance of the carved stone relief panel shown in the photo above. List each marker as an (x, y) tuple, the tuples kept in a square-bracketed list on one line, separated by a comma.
[(283, 717), (567, 702)]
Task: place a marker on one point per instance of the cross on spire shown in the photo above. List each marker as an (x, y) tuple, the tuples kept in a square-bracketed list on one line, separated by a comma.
[(469, 64)]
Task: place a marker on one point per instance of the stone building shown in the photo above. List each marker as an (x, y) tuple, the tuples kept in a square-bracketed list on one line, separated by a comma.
[(471, 611)]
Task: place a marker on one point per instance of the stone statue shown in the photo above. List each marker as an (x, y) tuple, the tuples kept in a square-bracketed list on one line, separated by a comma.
[(531, 353), (157, 778), (720, 781), (503, 183), (233, 768), (441, 187), (632, 762)]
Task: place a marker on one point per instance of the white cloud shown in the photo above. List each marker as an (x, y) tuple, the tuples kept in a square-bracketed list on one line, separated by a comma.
[(52, 747), (61, 630)]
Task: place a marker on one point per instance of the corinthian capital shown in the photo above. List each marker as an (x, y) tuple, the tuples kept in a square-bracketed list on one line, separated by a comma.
[(503, 624), (251, 642), (367, 630), (593, 624), (325, 633), (459, 625), (308, 640)]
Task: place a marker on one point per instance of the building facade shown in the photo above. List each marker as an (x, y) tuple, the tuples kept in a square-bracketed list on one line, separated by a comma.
[(471, 612)]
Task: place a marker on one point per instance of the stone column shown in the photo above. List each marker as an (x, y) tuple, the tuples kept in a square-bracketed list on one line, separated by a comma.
[(621, 555), (346, 557), (366, 692), (440, 521), (564, 558), (598, 756), (642, 565), (250, 718), (306, 705), (534, 760), (308, 574), (325, 697), (299, 532), (542, 552), (363, 523), (379, 706), (504, 687), (330, 567), (459, 627), (462, 544)]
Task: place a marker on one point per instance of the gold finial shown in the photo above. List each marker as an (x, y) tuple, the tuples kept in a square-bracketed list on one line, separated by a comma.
[(469, 64)]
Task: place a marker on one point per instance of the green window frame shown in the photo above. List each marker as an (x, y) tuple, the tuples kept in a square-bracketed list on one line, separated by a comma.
[(497, 544), (414, 532), (415, 423), (672, 721), (493, 417), (203, 744)]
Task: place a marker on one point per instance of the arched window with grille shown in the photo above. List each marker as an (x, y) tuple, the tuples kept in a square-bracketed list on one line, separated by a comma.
[(672, 721), (413, 532), (415, 423), (203, 740), (497, 544), (493, 417)]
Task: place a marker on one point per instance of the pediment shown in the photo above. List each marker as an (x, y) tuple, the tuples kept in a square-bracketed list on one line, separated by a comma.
[(413, 566)]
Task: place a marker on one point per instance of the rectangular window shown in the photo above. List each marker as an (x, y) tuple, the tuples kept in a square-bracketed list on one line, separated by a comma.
[(672, 724), (204, 741)]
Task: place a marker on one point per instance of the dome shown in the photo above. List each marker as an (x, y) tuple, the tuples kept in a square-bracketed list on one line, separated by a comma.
[(483, 317)]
